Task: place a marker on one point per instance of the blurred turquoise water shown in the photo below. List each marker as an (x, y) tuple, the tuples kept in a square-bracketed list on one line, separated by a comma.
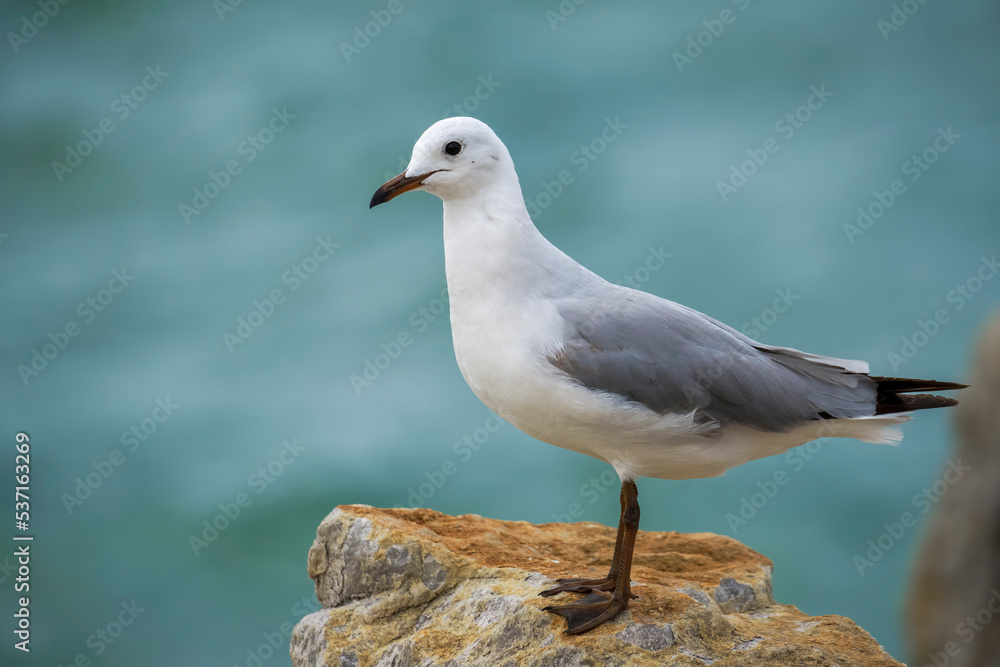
[(178, 108)]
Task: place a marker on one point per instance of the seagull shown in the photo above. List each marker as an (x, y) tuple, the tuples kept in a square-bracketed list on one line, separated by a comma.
[(651, 387)]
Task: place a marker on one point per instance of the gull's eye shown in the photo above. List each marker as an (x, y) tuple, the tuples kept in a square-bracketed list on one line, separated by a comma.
[(453, 148)]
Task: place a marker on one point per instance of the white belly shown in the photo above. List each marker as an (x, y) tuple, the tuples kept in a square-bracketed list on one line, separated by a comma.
[(504, 357)]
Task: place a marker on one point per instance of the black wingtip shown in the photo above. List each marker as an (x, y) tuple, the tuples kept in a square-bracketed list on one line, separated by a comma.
[(902, 385), (894, 394)]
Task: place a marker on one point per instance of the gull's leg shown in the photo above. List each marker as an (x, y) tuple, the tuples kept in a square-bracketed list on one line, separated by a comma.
[(591, 585), (595, 609)]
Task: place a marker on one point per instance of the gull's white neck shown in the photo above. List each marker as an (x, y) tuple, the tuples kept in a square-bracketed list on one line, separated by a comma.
[(494, 251), (504, 283)]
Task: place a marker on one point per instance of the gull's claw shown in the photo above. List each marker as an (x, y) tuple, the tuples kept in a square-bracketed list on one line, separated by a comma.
[(589, 612)]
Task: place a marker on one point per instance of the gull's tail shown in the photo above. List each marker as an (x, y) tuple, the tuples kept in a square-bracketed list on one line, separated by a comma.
[(893, 394)]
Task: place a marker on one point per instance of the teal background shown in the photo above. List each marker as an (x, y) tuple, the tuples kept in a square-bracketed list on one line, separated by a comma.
[(355, 123)]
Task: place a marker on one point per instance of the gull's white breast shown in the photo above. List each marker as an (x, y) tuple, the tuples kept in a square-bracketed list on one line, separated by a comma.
[(504, 290)]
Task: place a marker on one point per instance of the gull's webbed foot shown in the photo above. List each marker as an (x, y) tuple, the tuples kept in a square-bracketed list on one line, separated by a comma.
[(589, 612)]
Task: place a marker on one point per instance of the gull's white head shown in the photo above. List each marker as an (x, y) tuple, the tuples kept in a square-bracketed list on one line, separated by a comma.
[(453, 159)]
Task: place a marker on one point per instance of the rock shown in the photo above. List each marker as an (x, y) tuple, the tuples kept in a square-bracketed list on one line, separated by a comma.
[(404, 587), (953, 615)]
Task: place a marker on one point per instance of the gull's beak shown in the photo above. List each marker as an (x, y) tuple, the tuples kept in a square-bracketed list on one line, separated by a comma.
[(397, 186)]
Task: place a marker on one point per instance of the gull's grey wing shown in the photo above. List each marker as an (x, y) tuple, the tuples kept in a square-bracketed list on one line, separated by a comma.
[(674, 359)]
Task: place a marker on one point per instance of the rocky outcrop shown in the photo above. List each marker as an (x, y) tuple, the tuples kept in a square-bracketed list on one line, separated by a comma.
[(954, 606), (403, 587)]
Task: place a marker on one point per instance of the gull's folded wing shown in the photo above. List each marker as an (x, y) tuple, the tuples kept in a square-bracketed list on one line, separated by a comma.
[(673, 359)]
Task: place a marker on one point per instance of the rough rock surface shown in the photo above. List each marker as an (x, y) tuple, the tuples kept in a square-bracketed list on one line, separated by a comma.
[(403, 588), (954, 606)]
